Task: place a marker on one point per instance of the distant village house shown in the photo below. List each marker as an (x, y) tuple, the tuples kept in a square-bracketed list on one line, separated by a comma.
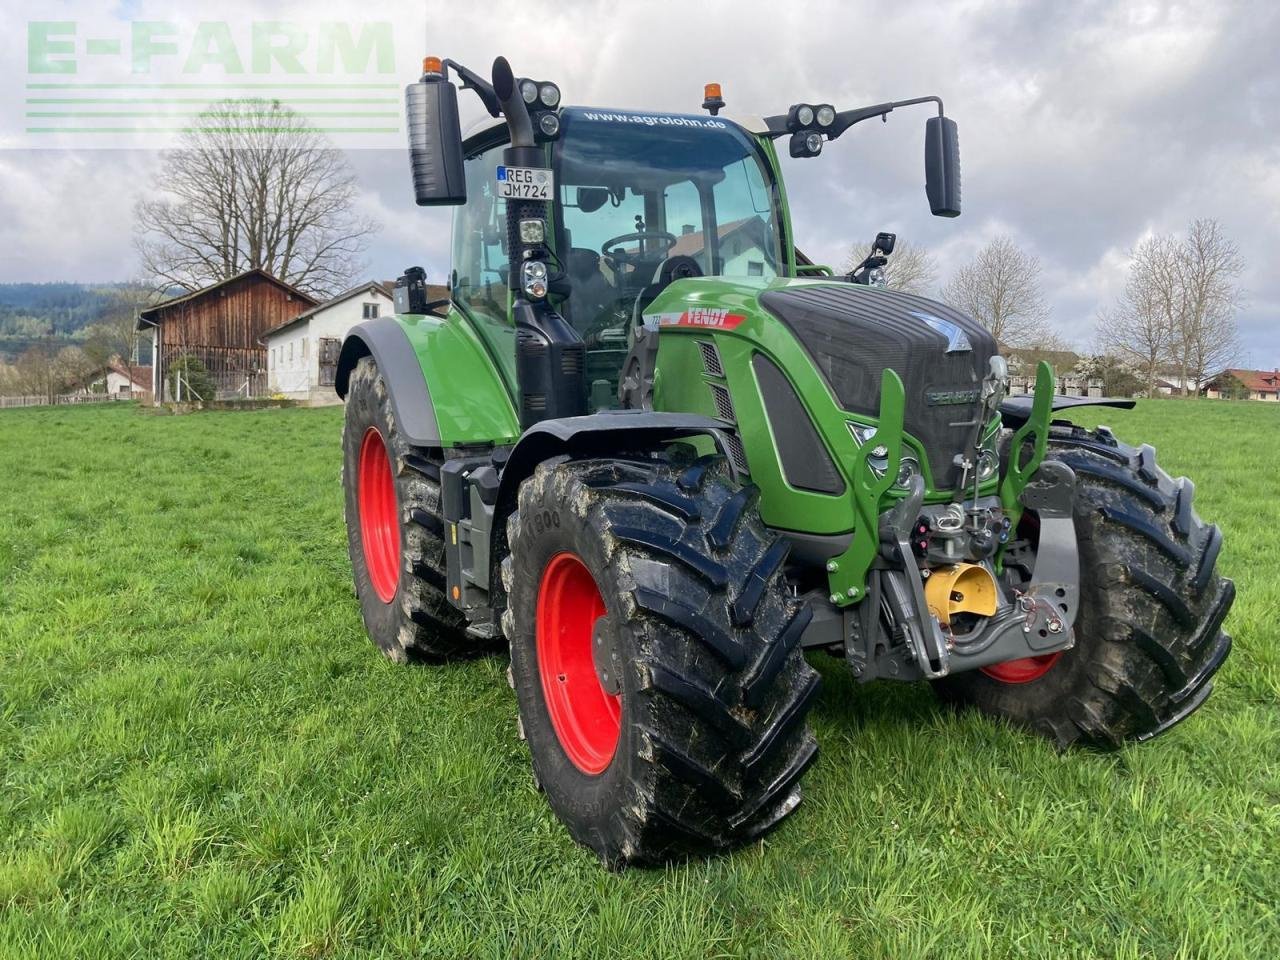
[(1245, 384)]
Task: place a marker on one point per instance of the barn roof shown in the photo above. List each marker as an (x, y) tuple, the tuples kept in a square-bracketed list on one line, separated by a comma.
[(343, 297), (152, 316)]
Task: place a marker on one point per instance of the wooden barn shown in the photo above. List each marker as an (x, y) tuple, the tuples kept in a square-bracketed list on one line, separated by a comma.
[(221, 326)]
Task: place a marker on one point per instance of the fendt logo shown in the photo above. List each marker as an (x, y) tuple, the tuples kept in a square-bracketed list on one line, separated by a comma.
[(715, 318), (113, 81)]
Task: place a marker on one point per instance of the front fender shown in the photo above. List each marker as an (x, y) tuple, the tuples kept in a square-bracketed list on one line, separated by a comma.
[(446, 391), (601, 434)]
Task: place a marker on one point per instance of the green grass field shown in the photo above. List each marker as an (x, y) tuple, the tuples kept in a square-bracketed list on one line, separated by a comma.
[(202, 755)]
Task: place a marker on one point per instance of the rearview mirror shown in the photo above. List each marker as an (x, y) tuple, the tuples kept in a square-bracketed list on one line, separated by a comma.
[(942, 166), (591, 199), (435, 143)]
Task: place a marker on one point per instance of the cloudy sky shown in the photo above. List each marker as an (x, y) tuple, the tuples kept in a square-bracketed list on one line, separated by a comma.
[(1084, 126)]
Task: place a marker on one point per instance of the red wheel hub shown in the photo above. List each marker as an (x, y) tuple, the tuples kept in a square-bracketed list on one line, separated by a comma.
[(379, 518), (1024, 670), (587, 718)]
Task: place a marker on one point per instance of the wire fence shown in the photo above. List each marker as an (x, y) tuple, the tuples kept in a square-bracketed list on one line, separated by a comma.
[(69, 398)]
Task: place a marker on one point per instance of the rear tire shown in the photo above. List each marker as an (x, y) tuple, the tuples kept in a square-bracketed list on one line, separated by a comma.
[(394, 530), (705, 746), (1149, 633)]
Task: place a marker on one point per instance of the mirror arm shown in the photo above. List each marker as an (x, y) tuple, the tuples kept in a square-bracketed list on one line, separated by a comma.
[(777, 124), (473, 81), (847, 118)]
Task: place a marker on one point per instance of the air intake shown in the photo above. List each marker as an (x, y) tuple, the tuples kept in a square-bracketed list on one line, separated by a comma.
[(806, 464), (711, 358), (724, 405)]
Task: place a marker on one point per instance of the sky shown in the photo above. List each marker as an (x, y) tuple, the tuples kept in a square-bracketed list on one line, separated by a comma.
[(1084, 127)]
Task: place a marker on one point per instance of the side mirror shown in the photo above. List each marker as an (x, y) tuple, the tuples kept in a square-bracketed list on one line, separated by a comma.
[(942, 166), (435, 143)]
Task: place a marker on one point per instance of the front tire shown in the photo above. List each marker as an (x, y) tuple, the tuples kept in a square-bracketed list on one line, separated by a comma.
[(1149, 632), (394, 530), (655, 656)]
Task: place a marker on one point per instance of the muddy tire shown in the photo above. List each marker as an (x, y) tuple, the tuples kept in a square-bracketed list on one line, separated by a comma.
[(655, 656), (1149, 633), (394, 530)]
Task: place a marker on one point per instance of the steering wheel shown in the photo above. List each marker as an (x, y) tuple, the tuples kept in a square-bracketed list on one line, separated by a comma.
[(667, 238)]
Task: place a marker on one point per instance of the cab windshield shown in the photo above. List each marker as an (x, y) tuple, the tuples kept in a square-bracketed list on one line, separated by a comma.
[(642, 193)]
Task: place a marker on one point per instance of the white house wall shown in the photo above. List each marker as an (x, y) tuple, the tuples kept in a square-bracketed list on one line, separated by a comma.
[(293, 354)]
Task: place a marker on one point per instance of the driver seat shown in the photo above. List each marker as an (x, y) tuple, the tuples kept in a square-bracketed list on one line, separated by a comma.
[(679, 267)]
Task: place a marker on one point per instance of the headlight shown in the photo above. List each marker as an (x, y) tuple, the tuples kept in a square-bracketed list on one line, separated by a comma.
[(861, 432), (549, 94), (908, 468), (549, 124), (535, 279), (529, 90), (988, 464), (826, 115), (805, 115), (813, 142)]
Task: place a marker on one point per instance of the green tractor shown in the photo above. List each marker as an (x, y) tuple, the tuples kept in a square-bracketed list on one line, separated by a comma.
[(662, 454)]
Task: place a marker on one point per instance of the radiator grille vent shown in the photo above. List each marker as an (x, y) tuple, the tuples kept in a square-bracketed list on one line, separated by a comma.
[(711, 358), (724, 405), (736, 453)]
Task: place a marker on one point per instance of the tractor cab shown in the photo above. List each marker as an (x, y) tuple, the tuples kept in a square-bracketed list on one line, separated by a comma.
[(638, 201)]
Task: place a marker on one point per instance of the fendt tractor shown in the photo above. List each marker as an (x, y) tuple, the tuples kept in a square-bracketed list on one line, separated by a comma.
[(663, 454)]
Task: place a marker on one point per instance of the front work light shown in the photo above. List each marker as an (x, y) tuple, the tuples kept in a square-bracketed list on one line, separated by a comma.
[(549, 124), (533, 231), (549, 94), (529, 90), (826, 115)]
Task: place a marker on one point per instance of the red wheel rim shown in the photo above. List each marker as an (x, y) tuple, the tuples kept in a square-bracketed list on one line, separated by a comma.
[(587, 718), (1024, 670), (379, 519)]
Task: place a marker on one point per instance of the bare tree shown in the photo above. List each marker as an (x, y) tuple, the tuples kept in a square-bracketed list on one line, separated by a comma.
[(251, 186), (911, 268), (1001, 289), (1178, 306), (41, 371), (1207, 336), (1140, 328), (115, 335)]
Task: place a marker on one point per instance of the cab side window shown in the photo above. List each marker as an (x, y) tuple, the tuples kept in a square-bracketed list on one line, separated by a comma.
[(479, 243)]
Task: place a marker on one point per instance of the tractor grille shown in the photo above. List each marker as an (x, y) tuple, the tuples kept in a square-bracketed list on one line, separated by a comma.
[(736, 453), (724, 405), (711, 358), (854, 333)]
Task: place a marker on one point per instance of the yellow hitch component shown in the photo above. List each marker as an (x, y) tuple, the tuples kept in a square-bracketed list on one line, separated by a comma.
[(964, 588)]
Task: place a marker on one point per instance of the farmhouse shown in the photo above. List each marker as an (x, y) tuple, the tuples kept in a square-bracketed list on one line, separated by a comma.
[(119, 381), (1245, 384), (220, 326), (302, 353)]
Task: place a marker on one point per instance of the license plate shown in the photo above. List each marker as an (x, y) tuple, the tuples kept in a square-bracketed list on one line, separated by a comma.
[(524, 183)]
